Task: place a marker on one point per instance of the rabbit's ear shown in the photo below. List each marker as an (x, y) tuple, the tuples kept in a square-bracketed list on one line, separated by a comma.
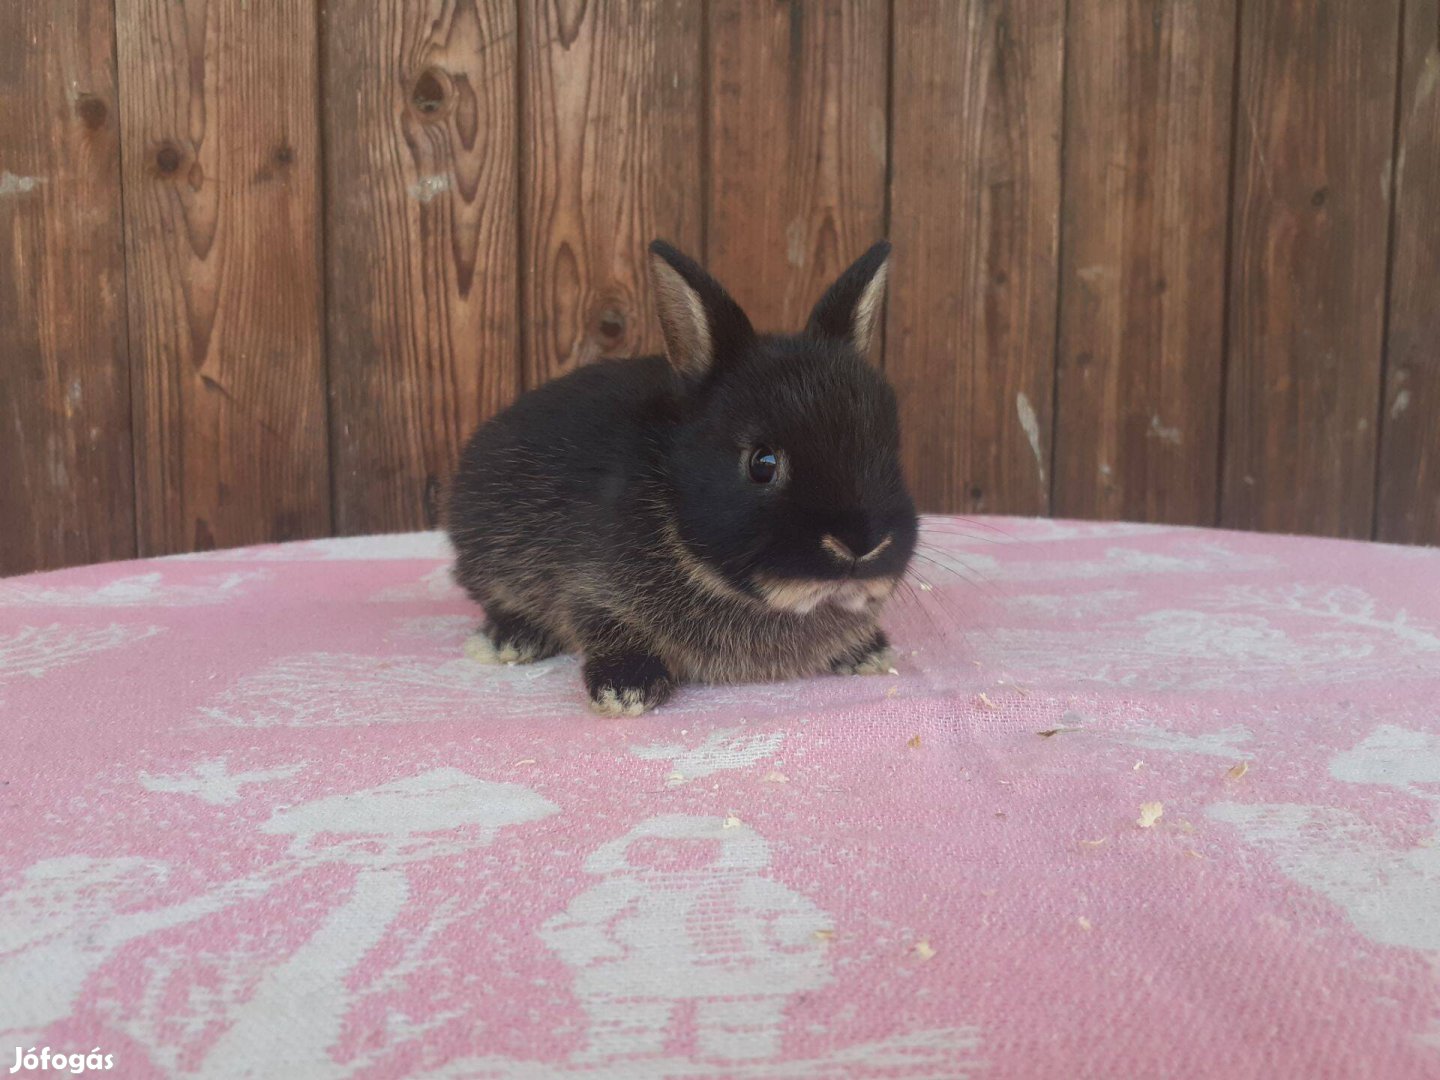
[(850, 309), (703, 326)]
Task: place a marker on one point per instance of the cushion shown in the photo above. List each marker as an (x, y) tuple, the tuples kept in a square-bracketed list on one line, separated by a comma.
[(1134, 801)]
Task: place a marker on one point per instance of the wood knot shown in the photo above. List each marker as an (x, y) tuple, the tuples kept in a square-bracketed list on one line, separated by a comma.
[(610, 327), (92, 111), (430, 92), (1317, 200), (167, 160), (284, 154)]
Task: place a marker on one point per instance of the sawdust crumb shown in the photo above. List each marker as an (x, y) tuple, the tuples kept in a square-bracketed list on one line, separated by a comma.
[(985, 700), (892, 691), (1137, 766), (1184, 827), (1239, 769), (525, 761), (732, 822), (914, 742), (774, 776), (824, 935), (923, 949), (675, 778), (1050, 733), (1193, 853), (1093, 843), (1084, 923), (1150, 813)]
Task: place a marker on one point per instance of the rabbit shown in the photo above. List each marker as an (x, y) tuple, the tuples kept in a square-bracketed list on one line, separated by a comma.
[(731, 511)]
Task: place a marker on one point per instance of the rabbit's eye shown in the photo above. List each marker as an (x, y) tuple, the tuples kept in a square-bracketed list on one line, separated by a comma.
[(762, 465)]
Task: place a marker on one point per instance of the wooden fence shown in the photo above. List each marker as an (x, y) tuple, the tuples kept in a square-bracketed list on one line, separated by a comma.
[(265, 263)]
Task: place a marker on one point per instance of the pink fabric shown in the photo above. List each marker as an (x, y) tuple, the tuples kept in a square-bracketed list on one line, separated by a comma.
[(263, 816)]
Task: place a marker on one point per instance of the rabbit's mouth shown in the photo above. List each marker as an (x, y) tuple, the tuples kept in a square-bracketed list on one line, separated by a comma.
[(801, 596)]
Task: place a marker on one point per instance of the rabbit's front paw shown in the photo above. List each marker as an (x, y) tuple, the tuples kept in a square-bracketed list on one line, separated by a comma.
[(626, 685), (875, 657), (509, 639)]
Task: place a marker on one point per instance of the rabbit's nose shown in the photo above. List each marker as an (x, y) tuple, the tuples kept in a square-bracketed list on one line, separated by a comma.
[(861, 540)]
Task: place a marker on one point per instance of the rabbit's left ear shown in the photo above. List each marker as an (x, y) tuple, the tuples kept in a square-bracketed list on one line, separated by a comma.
[(704, 328), (850, 309)]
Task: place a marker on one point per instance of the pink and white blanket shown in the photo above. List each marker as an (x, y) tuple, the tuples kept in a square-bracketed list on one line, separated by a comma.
[(1136, 802)]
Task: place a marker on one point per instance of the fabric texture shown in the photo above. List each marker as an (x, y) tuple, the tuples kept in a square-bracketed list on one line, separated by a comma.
[(1135, 802)]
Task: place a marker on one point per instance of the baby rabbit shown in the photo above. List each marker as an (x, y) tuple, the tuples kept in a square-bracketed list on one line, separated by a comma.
[(731, 511)]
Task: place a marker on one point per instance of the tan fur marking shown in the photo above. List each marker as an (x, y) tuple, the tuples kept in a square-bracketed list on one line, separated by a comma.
[(838, 548), (698, 572), (803, 597), (682, 320), (867, 311)]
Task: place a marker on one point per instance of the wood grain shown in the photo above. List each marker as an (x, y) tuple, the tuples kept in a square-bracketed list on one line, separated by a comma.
[(66, 482), (221, 167), (1148, 105), (1307, 281), (1408, 510), (610, 159), (797, 148), (421, 246), (975, 203)]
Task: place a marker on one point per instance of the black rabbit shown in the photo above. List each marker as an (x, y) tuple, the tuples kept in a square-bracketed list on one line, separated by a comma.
[(731, 511)]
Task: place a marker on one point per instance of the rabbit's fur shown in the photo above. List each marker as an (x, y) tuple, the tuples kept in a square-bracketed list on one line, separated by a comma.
[(616, 512)]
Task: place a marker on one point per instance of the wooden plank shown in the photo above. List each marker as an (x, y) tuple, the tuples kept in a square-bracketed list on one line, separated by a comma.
[(222, 223), (1409, 495), (421, 247), (1315, 120), (975, 205), (67, 482), (610, 159), (1148, 106), (797, 132)]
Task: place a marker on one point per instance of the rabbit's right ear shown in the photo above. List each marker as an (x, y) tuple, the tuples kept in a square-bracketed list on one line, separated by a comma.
[(703, 326)]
